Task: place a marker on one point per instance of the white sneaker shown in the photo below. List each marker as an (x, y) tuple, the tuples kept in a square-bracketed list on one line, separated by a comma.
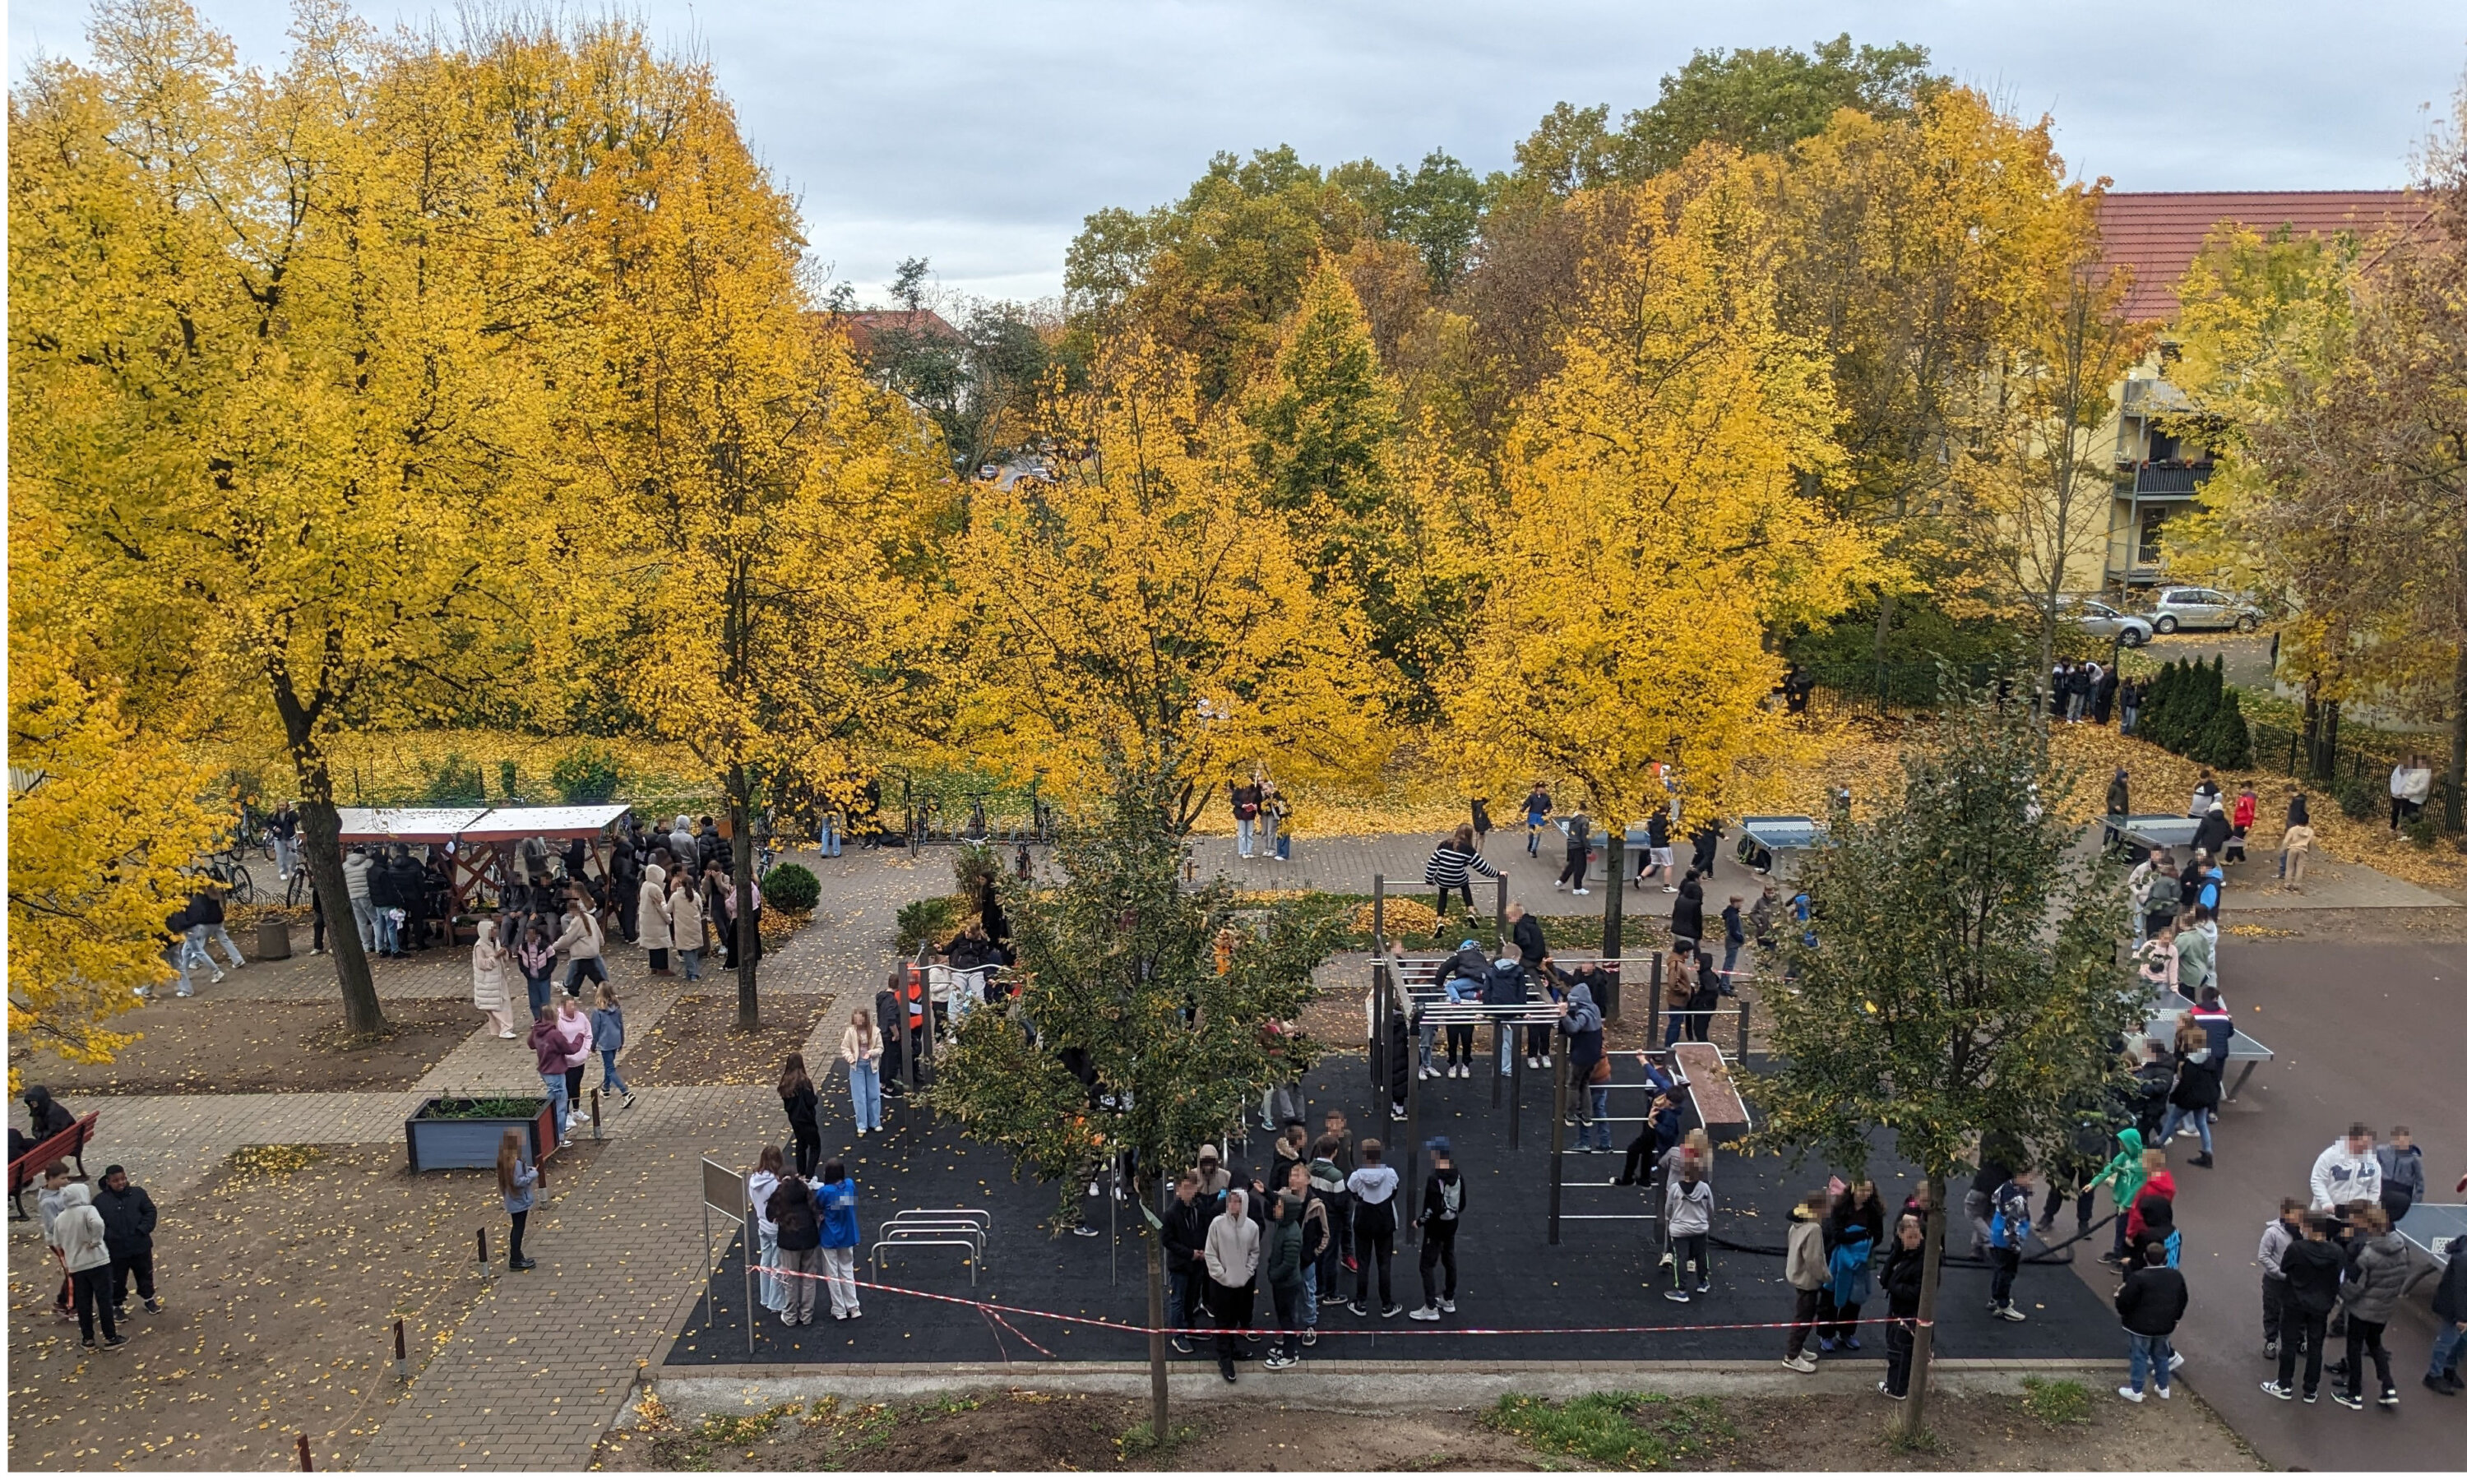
[(2164, 1393), (2129, 1394), (218, 978), (1449, 1306), (1426, 1313), (1584, 892), (182, 994), (1422, 1074), (1533, 1062), (1546, 1058), (1799, 1363), (1670, 891)]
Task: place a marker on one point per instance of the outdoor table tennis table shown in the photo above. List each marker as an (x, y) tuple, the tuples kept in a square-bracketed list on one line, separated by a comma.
[(2146, 832), (2436, 1231), (2241, 1047), (1762, 836)]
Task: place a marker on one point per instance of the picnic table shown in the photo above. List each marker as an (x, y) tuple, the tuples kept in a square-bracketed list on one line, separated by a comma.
[(2241, 1047), (2436, 1232)]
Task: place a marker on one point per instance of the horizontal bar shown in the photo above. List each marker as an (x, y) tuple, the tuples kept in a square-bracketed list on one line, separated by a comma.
[(1568, 1217)]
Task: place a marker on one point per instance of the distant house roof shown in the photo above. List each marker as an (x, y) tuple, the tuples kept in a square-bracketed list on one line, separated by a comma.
[(864, 324), (2159, 232)]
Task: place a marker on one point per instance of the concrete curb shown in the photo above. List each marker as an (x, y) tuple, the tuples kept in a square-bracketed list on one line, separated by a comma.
[(1333, 1385)]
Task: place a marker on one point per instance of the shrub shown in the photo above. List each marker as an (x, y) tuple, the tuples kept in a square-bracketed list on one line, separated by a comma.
[(2422, 830), (452, 781), (589, 774), (791, 887), (2055, 1403), (2225, 742), (923, 921), (2361, 798)]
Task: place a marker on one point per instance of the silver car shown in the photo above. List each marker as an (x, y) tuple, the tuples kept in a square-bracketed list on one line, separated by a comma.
[(2100, 622), (2202, 608)]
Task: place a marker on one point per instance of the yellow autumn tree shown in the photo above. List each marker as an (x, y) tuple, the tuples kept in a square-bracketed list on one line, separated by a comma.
[(1663, 512), (1151, 601), (266, 374), (102, 819), (753, 498)]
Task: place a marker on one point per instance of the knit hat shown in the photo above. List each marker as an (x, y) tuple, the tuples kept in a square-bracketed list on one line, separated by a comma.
[(1438, 1144), (1467, 943)]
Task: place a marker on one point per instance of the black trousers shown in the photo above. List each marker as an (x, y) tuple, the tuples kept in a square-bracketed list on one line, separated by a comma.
[(1231, 1309), (1834, 1321), (93, 1287), (809, 1151), (574, 1089), (1459, 1045), (1573, 874), (2274, 1304), (1439, 1247), (1803, 1319), (2364, 1338), (1900, 1338), (1372, 1244), (1465, 891), (2313, 1330), (515, 1247), (126, 1266)]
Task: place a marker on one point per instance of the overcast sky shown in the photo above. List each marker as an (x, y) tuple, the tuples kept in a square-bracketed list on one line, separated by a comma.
[(979, 135)]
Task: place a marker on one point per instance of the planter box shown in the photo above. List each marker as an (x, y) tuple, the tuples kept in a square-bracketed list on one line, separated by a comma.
[(471, 1144)]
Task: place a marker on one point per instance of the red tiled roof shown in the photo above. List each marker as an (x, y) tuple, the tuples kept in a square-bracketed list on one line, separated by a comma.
[(863, 325), (2159, 232)]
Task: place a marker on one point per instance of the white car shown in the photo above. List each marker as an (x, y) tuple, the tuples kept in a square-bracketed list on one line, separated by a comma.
[(2102, 622)]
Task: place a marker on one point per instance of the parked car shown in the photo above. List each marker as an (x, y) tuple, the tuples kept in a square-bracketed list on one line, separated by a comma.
[(2202, 608), (2102, 622)]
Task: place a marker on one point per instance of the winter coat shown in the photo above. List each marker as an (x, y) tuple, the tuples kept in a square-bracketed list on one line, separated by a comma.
[(78, 1231), (803, 1109), (793, 1211), (2312, 1271), (1687, 1209), (851, 1052), (578, 1028), (759, 1188), (551, 1047), (1804, 1265), (2381, 1276), (489, 975), (128, 1218), (2152, 1300), (2275, 1239), (1905, 1273), (839, 1213), (1373, 1188), (2197, 1081), (1232, 1250), (1285, 1250), (2450, 1295), (685, 918), (1688, 914), (1444, 1198), (1532, 948), (1505, 983), (651, 916), (2194, 960), (355, 878)]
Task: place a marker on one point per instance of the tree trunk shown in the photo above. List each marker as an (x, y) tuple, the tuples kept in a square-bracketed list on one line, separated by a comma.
[(2452, 808), (1156, 1337), (748, 936), (321, 847), (1923, 1336)]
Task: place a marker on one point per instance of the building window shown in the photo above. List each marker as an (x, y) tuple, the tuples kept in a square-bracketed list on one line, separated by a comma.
[(2145, 550)]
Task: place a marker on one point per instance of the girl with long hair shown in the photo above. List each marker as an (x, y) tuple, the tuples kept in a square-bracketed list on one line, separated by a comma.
[(862, 1049), (518, 1185), (804, 1115)]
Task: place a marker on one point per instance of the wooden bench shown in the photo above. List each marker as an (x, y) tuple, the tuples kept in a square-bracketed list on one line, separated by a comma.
[(1718, 1104), (68, 1143)]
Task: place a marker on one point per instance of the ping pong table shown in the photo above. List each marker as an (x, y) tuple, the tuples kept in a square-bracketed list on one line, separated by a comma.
[(2438, 1231), (2241, 1047), (2146, 832), (1762, 835)]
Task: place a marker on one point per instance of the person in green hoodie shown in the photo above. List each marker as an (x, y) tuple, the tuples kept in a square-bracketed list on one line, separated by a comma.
[(2122, 1176), (1286, 1275)]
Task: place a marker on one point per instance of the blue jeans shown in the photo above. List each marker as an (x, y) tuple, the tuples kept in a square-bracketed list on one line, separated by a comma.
[(2447, 1346), (555, 1082), (865, 1092), (542, 990), (2151, 1354), (178, 955), (1310, 1299), (1731, 955), (2198, 1120), (830, 844), (1600, 1130), (691, 959), (1178, 1290), (1242, 835), (608, 1077), (1676, 1031), (389, 936)]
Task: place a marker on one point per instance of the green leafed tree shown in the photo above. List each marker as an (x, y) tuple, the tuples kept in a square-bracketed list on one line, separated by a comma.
[(1161, 996), (1964, 983)]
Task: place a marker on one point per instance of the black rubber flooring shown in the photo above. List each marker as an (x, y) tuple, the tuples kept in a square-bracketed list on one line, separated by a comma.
[(1600, 1274)]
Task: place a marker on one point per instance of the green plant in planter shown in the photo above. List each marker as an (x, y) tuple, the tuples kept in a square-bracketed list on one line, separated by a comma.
[(484, 1107), (791, 887)]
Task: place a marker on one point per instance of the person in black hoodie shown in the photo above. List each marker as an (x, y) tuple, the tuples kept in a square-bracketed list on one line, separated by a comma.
[(128, 1235), (2151, 1301), (1688, 914), (1185, 1252), (1444, 1202), (2311, 1267), (1905, 1273)]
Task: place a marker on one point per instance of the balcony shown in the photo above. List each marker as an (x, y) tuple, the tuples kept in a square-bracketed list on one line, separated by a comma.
[(2148, 396), (2168, 479)]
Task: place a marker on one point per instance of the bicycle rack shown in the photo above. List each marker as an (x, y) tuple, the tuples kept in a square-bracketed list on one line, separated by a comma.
[(924, 1226)]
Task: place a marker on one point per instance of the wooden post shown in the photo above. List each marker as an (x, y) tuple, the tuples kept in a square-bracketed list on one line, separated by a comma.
[(306, 1467), (1379, 1009)]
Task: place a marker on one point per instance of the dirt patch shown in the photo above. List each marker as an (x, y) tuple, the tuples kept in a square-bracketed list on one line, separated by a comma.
[(280, 1280), (696, 1043), (210, 1044), (1022, 1431), (2357, 925)]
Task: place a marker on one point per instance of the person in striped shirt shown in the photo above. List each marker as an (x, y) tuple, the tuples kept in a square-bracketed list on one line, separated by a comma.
[(1451, 869)]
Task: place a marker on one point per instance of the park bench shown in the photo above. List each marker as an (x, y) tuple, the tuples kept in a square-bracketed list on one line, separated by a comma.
[(68, 1143)]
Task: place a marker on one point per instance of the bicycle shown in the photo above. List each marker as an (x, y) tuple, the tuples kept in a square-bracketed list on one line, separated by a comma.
[(229, 867)]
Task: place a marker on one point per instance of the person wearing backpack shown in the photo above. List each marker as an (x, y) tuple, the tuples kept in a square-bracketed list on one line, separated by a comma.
[(1443, 1194), (801, 1247)]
